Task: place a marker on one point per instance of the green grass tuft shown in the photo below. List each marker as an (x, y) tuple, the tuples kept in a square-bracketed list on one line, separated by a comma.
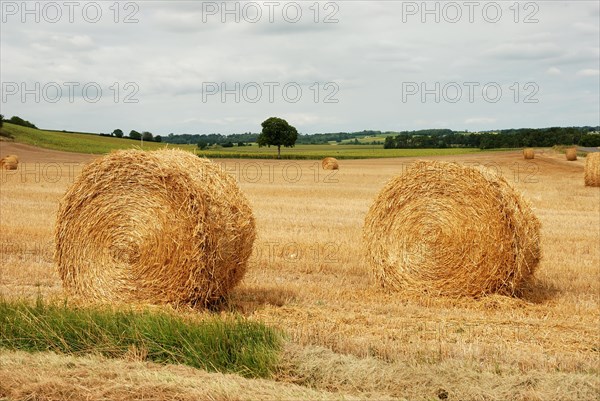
[(228, 345)]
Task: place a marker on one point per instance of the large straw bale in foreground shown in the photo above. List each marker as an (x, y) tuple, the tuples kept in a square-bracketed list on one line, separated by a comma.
[(330, 163), (571, 154), (447, 229), (592, 170), (528, 153), (157, 227)]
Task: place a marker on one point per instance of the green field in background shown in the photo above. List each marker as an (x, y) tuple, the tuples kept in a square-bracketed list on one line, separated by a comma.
[(78, 142), (90, 143)]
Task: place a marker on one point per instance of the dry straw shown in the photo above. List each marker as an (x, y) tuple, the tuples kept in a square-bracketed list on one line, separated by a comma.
[(447, 229), (592, 170), (571, 154), (330, 163), (155, 227), (9, 162), (528, 153)]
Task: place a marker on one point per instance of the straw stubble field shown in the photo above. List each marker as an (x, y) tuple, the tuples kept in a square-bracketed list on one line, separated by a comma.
[(347, 337)]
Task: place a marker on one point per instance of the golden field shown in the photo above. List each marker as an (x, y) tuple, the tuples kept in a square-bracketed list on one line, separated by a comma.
[(347, 338)]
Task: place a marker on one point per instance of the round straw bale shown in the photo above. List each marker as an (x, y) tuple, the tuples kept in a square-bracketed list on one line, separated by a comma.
[(592, 170), (447, 229), (153, 227), (528, 153), (14, 157), (330, 163), (571, 154), (10, 162)]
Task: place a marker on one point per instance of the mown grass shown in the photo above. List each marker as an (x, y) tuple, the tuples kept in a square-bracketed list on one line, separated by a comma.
[(321, 151), (78, 142), (563, 149), (229, 344)]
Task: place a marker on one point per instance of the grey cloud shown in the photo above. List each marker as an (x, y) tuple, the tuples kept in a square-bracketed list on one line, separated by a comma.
[(370, 53)]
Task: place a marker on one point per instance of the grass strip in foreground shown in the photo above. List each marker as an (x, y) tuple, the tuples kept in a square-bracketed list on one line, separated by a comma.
[(215, 343)]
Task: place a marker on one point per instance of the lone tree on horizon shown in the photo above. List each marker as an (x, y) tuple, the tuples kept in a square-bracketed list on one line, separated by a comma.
[(277, 132)]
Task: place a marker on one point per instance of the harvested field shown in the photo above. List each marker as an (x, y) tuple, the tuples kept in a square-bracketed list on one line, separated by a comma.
[(348, 338)]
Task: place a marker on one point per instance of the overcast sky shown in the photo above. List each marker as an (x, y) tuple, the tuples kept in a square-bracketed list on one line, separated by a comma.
[(324, 67)]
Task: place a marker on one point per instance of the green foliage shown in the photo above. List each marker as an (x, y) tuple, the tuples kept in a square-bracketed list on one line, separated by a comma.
[(426, 138), (227, 145), (202, 145), (277, 132), (118, 133), (19, 121), (210, 138), (158, 138), (147, 136), (511, 138), (230, 344), (3, 132), (135, 135)]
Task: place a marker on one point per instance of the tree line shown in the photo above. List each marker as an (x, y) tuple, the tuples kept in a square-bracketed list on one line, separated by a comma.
[(135, 135), (510, 138), (247, 137), (430, 138), (16, 120)]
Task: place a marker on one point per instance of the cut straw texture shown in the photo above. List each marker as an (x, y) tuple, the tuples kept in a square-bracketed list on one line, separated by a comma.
[(592, 170), (528, 153), (154, 227), (571, 154), (10, 162), (330, 163), (447, 229)]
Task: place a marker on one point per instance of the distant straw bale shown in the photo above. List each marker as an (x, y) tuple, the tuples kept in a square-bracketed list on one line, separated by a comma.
[(330, 163), (592, 170), (10, 162)]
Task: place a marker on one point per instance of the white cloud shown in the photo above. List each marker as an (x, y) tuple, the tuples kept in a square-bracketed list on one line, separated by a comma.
[(587, 27), (553, 71), (480, 120), (588, 72)]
